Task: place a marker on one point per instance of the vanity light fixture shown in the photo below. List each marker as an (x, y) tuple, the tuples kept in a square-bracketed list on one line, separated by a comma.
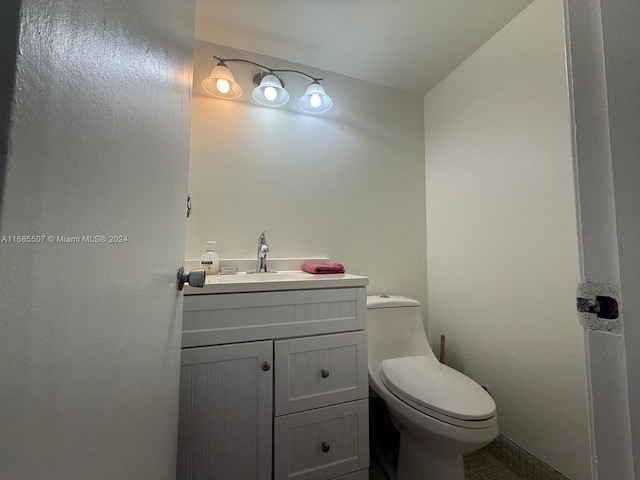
[(269, 88)]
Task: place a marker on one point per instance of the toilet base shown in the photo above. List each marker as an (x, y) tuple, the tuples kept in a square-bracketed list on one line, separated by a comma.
[(417, 462)]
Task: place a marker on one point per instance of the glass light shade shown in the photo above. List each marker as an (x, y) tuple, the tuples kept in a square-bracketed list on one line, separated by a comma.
[(315, 100), (221, 84), (270, 92)]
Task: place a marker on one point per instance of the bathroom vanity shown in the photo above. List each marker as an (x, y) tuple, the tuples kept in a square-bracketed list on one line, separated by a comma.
[(273, 383)]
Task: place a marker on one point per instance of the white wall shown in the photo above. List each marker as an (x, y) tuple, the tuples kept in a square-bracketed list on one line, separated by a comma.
[(348, 184), (502, 245)]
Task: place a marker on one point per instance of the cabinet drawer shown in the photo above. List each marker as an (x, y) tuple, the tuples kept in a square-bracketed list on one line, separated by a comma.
[(242, 317), (322, 443), (314, 372)]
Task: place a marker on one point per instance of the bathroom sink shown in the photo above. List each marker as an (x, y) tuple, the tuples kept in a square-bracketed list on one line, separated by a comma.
[(281, 280), (244, 277)]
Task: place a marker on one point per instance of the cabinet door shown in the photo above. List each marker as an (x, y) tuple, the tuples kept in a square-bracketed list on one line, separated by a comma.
[(225, 420), (359, 475), (315, 372)]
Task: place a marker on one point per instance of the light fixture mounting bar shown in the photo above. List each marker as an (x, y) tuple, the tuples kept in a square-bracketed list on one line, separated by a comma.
[(272, 70)]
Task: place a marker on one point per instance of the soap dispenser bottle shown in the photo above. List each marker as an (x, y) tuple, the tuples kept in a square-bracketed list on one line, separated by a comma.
[(209, 259)]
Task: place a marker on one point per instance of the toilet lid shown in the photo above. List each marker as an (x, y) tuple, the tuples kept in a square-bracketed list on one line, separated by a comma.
[(432, 385)]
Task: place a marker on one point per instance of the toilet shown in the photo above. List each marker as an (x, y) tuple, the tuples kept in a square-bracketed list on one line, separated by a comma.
[(439, 413)]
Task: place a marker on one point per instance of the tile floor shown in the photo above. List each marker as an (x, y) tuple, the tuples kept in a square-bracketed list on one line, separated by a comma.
[(523, 463), (480, 465)]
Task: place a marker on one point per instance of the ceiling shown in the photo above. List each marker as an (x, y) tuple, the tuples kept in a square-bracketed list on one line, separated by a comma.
[(408, 45)]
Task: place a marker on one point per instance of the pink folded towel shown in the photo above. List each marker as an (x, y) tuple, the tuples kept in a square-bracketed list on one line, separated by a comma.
[(310, 267)]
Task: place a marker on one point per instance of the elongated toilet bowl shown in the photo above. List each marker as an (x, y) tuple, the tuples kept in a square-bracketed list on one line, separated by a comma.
[(439, 413)]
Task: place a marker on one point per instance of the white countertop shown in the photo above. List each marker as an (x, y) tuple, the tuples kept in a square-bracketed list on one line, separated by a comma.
[(264, 282)]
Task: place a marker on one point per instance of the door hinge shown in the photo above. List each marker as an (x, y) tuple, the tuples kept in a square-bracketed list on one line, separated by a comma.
[(598, 306), (602, 306)]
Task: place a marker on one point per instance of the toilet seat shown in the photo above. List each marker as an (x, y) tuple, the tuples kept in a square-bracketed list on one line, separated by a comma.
[(438, 391)]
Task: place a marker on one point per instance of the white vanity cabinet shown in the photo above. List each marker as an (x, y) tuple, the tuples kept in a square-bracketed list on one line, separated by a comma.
[(274, 384)]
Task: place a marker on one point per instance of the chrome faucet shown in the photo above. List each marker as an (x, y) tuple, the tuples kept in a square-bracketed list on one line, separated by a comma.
[(263, 248)]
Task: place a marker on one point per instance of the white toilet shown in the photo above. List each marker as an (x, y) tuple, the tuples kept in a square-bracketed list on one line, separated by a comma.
[(439, 413)]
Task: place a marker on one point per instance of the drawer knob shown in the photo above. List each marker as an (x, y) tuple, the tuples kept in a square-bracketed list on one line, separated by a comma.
[(324, 372), (266, 366), (325, 447)]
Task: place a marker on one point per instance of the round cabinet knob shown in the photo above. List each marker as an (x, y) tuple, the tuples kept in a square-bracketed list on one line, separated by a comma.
[(325, 447), (265, 366), (324, 372)]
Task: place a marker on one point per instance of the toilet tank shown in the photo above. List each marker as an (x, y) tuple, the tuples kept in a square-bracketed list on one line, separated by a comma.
[(395, 328)]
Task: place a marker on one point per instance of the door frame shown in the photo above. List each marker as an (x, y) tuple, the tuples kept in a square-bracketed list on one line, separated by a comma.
[(603, 44)]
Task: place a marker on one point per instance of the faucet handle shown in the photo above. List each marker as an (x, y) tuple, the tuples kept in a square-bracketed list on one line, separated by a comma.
[(262, 238)]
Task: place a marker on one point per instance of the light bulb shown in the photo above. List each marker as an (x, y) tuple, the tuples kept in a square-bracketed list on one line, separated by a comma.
[(315, 101), (223, 85), (270, 93)]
